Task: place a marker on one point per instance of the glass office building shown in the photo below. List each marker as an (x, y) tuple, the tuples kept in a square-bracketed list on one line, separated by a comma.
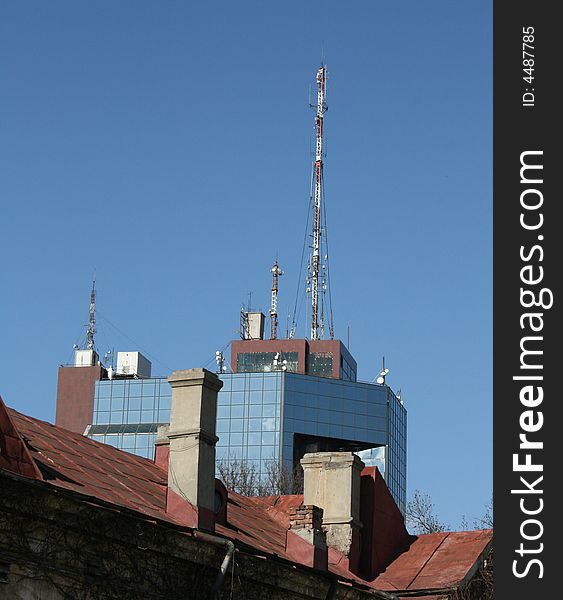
[(127, 413), (268, 416)]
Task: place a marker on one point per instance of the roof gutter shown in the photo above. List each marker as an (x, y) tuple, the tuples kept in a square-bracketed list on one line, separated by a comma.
[(230, 549)]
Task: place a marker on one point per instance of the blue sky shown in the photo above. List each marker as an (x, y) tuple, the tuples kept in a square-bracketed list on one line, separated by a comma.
[(165, 146)]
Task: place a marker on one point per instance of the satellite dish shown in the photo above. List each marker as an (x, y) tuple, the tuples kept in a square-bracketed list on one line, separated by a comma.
[(75, 346), (381, 377)]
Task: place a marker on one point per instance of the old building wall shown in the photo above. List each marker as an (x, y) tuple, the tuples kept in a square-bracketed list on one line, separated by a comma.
[(55, 545)]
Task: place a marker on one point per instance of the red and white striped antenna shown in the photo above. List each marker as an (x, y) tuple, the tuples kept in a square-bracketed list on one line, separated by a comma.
[(317, 317), (276, 273)]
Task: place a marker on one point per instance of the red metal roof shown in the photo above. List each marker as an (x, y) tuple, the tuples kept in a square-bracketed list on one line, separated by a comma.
[(435, 561), (69, 460), (74, 462), (14, 455)]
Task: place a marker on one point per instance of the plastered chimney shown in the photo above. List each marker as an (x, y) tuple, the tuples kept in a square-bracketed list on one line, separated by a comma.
[(332, 482), (191, 463)]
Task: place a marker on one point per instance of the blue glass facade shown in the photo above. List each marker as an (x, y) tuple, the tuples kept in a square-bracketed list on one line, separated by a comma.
[(128, 411), (249, 418), (265, 416)]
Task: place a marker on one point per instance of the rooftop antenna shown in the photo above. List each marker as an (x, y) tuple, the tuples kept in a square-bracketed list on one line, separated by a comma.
[(220, 360), (276, 273), (92, 321), (321, 108), (384, 372), (108, 357)]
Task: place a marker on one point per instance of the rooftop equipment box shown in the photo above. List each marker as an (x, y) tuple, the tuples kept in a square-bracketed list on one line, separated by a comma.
[(85, 358), (134, 364), (255, 329)]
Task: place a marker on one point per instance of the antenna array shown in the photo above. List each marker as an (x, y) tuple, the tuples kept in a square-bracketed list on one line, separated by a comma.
[(276, 273), (317, 276), (92, 320)]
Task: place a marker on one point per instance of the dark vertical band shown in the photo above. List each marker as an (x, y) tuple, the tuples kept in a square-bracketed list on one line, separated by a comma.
[(528, 253)]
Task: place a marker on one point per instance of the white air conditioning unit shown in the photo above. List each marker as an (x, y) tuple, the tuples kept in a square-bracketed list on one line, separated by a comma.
[(133, 364), (85, 358)]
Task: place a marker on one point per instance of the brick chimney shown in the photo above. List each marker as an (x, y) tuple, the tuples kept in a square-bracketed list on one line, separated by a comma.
[(305, 539), (332, 482), (191, 461)]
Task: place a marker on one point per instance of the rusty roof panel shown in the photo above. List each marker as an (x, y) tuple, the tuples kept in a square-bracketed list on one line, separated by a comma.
[(74, 462)]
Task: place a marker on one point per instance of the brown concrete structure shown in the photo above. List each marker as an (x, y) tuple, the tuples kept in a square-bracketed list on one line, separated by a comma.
[(303, 347), (75, 396)]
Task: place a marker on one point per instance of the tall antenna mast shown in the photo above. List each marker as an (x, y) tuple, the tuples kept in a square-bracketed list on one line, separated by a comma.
[(92, 321), (317, 214), (276, 272)]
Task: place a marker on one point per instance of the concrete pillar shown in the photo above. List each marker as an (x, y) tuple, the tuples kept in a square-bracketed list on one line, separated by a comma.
[(332, 482), (191, 464)]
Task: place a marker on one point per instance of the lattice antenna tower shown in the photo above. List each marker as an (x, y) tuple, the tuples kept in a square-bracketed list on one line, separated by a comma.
[(92, 320), (317, 277), (276, 274)]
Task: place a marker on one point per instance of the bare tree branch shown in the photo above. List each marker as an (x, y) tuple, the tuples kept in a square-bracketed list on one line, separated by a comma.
[(486, 520), (242, 477), (420, 515)]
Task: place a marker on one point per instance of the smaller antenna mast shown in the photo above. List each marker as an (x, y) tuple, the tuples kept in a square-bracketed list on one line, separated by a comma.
[(276, 273), (220, 360), (92, 320), (384, 372)]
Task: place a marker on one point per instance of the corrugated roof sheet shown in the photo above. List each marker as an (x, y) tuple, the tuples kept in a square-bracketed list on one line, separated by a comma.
[(435, 561), (74, 462)]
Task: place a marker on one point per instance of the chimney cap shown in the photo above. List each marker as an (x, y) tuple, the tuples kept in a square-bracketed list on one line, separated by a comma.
[(335, 459), (199, 376)]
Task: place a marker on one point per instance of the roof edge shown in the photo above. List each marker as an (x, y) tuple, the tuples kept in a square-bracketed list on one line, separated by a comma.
[(15, 457)]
